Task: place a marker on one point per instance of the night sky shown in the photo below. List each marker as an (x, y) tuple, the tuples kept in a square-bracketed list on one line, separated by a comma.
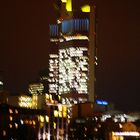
[(24, 47)]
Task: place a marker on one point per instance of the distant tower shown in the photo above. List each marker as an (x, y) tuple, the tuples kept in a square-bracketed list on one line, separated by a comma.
[(75, 31)]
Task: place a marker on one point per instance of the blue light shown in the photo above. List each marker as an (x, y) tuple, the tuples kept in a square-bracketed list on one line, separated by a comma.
[(101, 102), (70, 26)]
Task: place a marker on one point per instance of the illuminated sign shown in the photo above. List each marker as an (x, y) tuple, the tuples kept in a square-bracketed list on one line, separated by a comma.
[(101, 102)]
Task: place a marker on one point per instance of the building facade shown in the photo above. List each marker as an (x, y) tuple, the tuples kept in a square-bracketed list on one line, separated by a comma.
[(29, 121), (74, 34)]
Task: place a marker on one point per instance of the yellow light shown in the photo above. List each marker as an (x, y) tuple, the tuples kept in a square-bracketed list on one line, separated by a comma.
[(34, 101), (120, 125), (41, 118), (69, 5), (59, 97), (10, 111), (47, 96), (52, 101), (10, 125), (54, 125), (34, 123), (47, 119), (55, 113), (64, 114), (60, 114), (16, 111), (26, 121), (60, 107), (30, 122), (50, 97), (76, 37), (41, 125), (85, 8), (24, 101), (64, 108), (64, 1), (11, 118), (16, 125)]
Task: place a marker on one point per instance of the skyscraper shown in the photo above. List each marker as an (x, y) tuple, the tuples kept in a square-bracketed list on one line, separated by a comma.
[(75, 31)]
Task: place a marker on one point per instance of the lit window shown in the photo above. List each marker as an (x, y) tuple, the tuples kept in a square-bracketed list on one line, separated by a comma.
[(10, 111), (54, 125), (11, 118), (47, 119), (10, 125), (85, 8), (41, 119), (69, 5), (16, 125), (16, 111), (4, 133), (55, 113)]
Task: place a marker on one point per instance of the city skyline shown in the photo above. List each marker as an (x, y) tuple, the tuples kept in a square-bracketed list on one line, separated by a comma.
[(25, 41)]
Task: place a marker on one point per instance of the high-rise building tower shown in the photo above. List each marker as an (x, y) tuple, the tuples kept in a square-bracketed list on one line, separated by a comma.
[(76, 53)]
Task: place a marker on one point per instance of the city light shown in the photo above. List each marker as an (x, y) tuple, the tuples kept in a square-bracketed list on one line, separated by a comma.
[(36, 88), (70, 69), (1, 83), (126, 133), (64, 1), (69, 5), (85, 8), (25, 101), (101, 102)]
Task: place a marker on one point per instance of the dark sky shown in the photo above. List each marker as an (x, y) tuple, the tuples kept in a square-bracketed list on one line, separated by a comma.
[(24, 47)]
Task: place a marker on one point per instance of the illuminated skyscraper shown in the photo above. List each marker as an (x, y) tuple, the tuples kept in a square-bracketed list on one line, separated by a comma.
[(76, 54)]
